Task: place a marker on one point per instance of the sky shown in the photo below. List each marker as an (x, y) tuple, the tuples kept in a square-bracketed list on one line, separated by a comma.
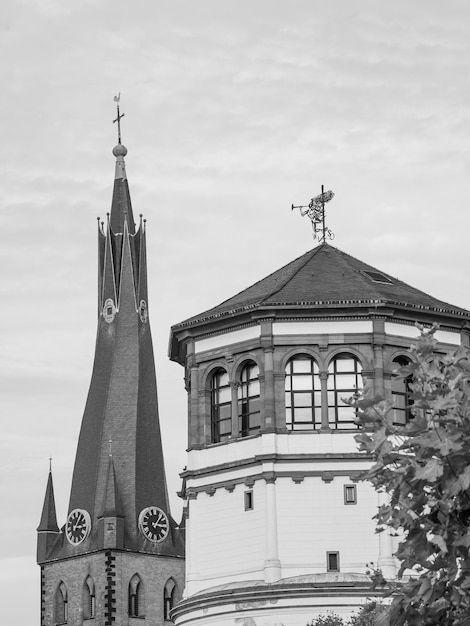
[(234, 110)]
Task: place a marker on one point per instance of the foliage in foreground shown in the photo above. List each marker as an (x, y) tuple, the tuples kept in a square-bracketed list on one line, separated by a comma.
[(425, 468), (370, 614)]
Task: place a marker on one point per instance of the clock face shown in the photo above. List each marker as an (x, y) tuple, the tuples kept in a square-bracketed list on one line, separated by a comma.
[(154, 524), (78, 526)]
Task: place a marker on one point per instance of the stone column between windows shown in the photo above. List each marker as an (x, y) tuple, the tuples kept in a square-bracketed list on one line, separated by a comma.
[(234, 385), (192, 566), (386, 561), (196, 429), (272, 564), (324, 400), (378, 370), (269, 404)]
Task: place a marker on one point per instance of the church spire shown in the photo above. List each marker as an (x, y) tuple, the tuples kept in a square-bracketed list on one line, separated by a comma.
[(118, 520), (47, 529), (122, 400)]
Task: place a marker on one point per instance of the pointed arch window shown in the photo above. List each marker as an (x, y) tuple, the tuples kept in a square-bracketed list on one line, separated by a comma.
[(401, 393), (249, 410), (221, 406), (303, 393), (89, 603), (136, 597), (60, 604), (344, 380), (168, 598)]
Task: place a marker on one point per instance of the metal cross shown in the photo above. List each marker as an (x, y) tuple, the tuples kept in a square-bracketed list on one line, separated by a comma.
[(119, 116), (315, 209)]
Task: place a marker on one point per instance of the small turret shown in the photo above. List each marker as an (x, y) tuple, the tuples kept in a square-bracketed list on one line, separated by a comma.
[(111, 520), (47, 529)]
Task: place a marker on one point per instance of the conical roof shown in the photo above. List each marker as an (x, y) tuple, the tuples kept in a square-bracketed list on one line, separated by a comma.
[(325, 277), (48, 521)]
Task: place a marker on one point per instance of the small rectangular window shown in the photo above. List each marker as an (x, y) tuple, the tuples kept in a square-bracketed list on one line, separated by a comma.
[(249, 501), (350, 494), (332, 561)]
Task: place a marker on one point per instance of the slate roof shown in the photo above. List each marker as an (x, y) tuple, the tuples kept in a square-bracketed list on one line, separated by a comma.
[(48, 521), (325, 276)]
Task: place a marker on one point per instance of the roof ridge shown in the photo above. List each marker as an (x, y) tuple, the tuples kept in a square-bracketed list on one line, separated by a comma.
[(261, 280), (359, 273), (308, 256)]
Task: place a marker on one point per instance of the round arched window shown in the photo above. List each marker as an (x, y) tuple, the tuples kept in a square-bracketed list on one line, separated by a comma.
[(401, 392), (302, 394), (221, 407), (249, 414), (344, 380)]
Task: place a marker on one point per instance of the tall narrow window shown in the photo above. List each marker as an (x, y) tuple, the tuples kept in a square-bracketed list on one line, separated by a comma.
[(401, 393), (302, 394), (221, 407), (60, 604), (88, 599), (168, 598), (332, 561), (249, 400), (136, 597), (344, 379), (350, 494)]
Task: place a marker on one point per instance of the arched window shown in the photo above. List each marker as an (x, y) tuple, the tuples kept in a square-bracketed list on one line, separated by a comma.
[(168, 598), (302, 393), (344, 379), (89, 599), (60, 604), (221, 407), (249, 400), (401, 393), (136, 597)]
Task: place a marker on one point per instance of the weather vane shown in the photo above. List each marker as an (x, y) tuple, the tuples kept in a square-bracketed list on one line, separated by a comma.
[(315, 209), (119, 116)]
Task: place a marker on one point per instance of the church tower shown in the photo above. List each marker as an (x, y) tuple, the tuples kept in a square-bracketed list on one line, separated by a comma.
[(279, 526), (119, 558)]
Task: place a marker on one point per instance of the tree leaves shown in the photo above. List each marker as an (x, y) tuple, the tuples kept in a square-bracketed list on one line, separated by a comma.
[(424, 466)]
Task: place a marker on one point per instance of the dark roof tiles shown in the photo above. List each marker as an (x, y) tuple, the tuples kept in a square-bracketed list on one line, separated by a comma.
[(325, 276)]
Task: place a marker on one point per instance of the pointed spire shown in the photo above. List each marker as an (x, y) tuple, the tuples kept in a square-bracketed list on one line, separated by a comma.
[(48, 521), (121, 203), (142, 298), (112, 504), (109, 271)]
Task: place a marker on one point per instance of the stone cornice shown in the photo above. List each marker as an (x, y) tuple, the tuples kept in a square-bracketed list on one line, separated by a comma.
[(259, 459), (270, 477)]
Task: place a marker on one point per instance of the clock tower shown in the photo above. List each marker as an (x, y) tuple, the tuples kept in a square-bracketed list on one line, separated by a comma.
[(119, 557)]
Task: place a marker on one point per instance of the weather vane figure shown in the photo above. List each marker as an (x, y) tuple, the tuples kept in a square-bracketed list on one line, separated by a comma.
[(315, 209), (119, 116)]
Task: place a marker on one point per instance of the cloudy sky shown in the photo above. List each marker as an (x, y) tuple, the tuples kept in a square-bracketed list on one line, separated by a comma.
[(234, 109)]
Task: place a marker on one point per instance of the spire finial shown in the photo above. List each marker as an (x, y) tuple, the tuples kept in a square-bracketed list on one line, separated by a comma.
[(110, 447), (50, 464), (315, 209), (119, 116)]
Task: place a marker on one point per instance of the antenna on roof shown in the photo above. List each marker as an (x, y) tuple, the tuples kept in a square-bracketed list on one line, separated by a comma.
[(315, 209)]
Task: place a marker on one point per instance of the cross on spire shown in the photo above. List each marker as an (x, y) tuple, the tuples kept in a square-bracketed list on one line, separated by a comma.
[(119, 116), (315, 210)]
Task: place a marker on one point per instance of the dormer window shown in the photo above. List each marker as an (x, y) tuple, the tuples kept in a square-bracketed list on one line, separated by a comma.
[(109, 311), (377, 277)]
